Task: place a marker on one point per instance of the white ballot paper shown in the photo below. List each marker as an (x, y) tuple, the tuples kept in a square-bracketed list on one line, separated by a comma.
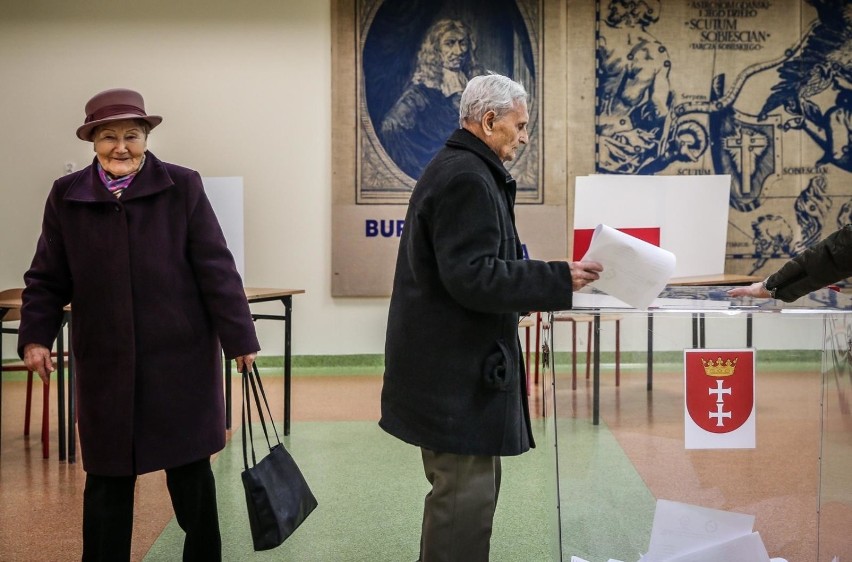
[(690, 533), (748, 548), (681, 529), (634, 271)]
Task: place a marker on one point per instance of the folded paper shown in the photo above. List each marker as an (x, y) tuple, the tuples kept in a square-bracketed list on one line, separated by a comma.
[(635, 271)]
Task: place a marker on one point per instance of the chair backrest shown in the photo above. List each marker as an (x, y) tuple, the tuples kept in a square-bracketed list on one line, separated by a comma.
[(14, 314)]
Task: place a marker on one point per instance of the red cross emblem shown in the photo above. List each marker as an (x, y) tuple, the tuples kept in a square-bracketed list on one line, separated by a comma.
[(719, 388)]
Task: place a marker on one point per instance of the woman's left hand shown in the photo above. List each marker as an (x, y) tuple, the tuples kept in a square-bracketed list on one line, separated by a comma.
[(245, 361)]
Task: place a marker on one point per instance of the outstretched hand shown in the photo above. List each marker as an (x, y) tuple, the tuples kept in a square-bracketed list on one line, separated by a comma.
[(754, 290), (584, 272)]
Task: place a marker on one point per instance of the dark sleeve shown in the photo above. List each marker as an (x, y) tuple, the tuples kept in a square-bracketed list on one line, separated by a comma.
[(824, 263), (48, 283), (218, 279), (467, 238)]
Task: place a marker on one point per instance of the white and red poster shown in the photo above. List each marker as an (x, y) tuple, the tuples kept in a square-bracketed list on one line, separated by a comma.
[(681, 215), (719, 399)]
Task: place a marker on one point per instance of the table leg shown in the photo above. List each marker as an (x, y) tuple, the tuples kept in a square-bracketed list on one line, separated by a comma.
[(694, 330), (288, 306), (287, 301), (72, 403), (596, 392), (60, 391), (588, 347), (573, 355), (552, 375), (537, 343), (748, 329), (618, 353), (227, 392), (650, 381)]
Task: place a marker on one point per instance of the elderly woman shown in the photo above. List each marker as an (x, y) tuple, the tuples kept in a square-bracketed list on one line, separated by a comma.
[(133, 244)]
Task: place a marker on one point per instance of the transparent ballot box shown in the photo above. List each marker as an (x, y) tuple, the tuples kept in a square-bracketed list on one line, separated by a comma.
[(773, 442)]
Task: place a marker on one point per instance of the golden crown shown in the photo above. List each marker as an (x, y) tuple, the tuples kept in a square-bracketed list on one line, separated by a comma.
[(719, 368)]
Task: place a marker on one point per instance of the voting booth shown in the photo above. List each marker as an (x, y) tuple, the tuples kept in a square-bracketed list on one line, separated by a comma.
[(785, 481), (226, 198), (687, 216)]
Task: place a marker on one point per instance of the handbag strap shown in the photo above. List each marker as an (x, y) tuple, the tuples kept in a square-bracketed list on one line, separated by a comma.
[(256, 377), (251, 383), (251, 377), (246, 418)]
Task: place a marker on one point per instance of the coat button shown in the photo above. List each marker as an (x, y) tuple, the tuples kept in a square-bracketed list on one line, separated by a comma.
[(117, 208)]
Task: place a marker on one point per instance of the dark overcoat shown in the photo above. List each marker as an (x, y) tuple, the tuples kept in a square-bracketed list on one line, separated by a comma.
[(824, 263), (153, 290), (454, 380)]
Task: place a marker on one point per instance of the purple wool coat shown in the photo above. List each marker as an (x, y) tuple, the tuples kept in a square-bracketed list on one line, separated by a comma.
[(153, 290)]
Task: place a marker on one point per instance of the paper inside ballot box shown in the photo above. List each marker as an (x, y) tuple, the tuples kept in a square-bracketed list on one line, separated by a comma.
[(747, 548), (690, 533)]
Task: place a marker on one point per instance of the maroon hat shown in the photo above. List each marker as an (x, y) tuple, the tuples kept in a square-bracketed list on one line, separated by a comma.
[(114, 105)]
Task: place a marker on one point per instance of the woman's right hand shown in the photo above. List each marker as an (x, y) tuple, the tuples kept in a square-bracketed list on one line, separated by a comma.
[(245, 361), (37, 358)]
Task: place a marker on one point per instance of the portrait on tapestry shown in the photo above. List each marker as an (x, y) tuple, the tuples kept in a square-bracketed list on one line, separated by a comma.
[(414, 58), (758, 90)]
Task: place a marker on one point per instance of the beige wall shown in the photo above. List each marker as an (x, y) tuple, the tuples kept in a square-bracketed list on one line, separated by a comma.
[(244, 89)]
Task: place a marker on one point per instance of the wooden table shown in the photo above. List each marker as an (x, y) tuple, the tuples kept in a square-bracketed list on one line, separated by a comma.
[(258, 295), (714, 280)]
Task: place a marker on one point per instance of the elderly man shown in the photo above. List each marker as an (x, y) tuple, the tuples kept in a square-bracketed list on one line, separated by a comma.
[(454, 384)]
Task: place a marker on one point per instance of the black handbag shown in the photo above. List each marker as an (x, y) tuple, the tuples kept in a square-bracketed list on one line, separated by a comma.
[(277, 495)]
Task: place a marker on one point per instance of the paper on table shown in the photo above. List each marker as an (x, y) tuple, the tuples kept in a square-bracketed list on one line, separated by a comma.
[(583, 299), (691, 304), (634, 271)]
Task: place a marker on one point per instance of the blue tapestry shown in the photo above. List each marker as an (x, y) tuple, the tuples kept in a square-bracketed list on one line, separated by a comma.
[(758, 90), (415, 58)]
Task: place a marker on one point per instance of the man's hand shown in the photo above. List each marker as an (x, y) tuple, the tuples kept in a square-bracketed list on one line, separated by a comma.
[(37, 359), (584, 272)]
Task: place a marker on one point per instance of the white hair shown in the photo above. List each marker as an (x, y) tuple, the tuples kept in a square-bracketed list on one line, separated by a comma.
[(489, 92)]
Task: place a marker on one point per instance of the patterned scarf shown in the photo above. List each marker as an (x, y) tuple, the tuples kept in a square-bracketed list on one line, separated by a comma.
[(116, 186)]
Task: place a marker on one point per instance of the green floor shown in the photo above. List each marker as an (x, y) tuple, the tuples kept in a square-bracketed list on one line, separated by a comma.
[(370, 489), (608, 507)]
